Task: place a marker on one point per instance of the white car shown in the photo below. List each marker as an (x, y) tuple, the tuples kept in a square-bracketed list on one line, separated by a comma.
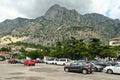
[(52, 61), (63, 61), (112, 69)]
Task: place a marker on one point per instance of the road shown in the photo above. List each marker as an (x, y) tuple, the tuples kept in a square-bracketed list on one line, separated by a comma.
[(47, 72)]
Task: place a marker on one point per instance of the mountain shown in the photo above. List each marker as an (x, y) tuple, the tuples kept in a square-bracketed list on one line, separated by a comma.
[(59, 24)]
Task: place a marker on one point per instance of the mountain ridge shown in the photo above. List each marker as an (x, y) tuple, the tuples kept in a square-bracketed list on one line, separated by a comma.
[(59, 24)]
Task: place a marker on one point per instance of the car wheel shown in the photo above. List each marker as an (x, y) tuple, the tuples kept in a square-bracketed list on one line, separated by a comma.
[(66, 69), (109, 71), (84, 71), (91, 72), (95, 69), (33, 65), (55, 63)]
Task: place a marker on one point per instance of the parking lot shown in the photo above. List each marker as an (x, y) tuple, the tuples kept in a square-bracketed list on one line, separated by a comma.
[(47, 72)]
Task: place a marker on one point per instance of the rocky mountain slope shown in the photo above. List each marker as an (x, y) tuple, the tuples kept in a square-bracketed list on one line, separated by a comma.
[(59, 24)]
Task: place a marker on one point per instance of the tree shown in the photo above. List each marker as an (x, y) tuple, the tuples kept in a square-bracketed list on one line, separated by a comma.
[(95, 47), (82, 49), (2, 58), (6, 49), (34, 54), (70, 48), (22, 49)]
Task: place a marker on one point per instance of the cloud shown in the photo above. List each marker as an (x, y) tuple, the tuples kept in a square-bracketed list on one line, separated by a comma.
[(115, 13), (114, 9), (39, 7), (100, 6), (10, 9)]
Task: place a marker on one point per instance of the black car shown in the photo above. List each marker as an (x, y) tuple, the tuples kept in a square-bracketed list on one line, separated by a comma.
[(82, 67)]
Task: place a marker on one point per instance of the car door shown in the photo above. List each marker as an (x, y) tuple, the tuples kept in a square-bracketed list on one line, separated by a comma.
[(74, 67)]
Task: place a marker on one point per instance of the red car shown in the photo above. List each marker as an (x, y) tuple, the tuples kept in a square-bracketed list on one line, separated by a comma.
[(35, 61), (12, 61), (29, 63)]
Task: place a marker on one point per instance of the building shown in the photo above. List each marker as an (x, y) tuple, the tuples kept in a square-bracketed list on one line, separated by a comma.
[(8, 51), (6, 54), (114, 42)]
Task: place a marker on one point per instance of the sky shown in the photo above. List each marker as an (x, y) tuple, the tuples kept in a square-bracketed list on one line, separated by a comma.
[(11, 9)]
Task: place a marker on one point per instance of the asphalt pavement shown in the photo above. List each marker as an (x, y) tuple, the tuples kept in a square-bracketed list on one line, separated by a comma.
[(47, 72)]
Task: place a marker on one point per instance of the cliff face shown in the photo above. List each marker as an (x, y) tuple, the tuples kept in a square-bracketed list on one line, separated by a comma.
[(59, 24)]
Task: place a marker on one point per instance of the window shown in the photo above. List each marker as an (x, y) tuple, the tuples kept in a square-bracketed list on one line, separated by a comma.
[(117, 65), (62, 60)]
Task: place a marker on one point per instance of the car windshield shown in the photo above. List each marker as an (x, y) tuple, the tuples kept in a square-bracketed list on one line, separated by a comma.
[(74, 63), (50, 59), (62, 60), (117, 65), (79, 63), (99, 62)]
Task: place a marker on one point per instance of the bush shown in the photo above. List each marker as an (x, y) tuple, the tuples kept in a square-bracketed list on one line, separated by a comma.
[(2, 58)]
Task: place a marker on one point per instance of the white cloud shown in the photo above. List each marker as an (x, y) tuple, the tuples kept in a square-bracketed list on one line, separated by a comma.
[(10, 9), (100, 6), (115, 13), (114, 9)]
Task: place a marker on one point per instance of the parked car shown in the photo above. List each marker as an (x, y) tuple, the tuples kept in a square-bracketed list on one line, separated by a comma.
[(52, 61), (40, 61), (63, 61), (22, 61), (82, 67), (35, 61), (97, 68), (12, 61), (112, 69), (29, 63), (101, 63), (112, 63)]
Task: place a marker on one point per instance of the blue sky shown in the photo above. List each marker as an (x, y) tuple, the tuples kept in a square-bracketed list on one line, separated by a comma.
[(108, 12), (11, 9)]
